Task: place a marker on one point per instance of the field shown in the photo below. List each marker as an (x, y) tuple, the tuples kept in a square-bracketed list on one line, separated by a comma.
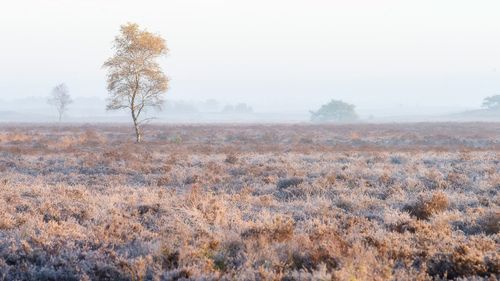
[(250, 202)]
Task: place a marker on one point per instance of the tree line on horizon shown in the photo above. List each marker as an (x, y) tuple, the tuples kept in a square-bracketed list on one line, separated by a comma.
[(136, 82)]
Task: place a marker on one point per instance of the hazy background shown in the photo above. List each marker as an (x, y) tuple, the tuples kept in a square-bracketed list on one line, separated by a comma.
[(282, 57)]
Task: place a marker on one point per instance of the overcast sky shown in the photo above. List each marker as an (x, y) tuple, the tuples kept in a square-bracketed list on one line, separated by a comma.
[(273, 54)]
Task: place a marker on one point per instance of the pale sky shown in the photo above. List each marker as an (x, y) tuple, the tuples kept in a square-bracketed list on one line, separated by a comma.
[(273, 54)]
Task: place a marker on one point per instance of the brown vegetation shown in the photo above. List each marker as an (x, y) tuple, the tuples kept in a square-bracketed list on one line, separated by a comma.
[(287, 202)]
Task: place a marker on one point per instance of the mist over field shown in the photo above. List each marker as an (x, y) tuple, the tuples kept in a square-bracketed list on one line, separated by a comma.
[(393, 60), (93, 109)]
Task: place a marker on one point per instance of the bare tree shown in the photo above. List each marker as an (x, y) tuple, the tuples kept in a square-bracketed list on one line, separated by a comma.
[(60, 99), (135, 79)]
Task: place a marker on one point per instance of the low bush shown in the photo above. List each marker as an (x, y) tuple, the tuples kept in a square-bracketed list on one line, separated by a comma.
[(427, 206)]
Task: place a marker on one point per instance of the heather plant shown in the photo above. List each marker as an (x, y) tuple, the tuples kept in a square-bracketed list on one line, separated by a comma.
[(96, 208)]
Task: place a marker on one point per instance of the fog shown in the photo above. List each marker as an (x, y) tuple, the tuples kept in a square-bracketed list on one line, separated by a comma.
[(395, 60)]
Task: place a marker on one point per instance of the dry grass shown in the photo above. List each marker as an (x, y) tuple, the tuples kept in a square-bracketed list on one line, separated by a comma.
[(363, 202)]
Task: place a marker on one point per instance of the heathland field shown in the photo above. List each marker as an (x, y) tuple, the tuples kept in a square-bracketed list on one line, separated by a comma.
[(250, 202)]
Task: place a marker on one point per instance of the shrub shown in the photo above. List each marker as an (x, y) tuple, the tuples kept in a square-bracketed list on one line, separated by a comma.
[(231, 159), (286, 183), (231, 256), (424, 208), (464, 261), (490, 223), (397, 160)]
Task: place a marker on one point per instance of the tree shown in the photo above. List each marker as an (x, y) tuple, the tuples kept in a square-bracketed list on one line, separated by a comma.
[(240, 108), (211, 105), (335, 110), (492, 103), (228, 108), (243, 108), (60, 99), (135, 79)]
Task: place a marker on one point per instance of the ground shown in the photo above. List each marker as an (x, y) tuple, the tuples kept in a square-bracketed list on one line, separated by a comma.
[(250, 202)]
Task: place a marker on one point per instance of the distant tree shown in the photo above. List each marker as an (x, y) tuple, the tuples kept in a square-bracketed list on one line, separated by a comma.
[(228, 108), (243, 108), (180, 107), (335, 111), (60, 99), (239, 108), (492, 103), (135, 79), (211, 105)]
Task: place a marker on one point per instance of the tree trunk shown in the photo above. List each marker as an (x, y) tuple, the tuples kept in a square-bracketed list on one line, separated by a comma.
[(138, 134)]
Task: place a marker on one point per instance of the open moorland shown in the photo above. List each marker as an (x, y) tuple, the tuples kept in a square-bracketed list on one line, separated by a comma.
[(250, 202)]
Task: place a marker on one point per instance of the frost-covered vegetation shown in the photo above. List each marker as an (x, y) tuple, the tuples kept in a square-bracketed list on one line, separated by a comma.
[(277, 202)]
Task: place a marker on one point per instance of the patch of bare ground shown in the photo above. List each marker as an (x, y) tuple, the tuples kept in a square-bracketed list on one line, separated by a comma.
[(252, 202)]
